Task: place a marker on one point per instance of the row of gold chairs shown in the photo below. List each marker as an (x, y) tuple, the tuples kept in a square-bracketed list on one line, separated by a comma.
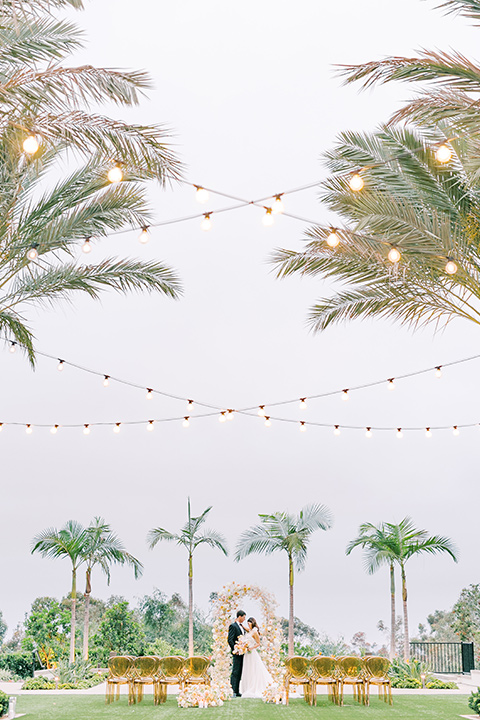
[(335, 673), (136, 672)]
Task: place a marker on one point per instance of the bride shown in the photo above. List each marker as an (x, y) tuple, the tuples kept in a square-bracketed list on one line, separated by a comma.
[(255, 676)]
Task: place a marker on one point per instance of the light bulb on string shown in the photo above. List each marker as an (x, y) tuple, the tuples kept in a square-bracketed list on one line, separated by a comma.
[(356, 182), (303, 403), (368, 432), (428, 432), (29, 429), (116, 427), (144, 236), (30, 145), (230, 414), (186, 422), (303, 427), (394, 255), (201, 195), (87, 247), (32, 254), (399, 434), (61, 365), (443, 154), (54, 429), (149, 394), (438, 371), (190, 405), (13, 346), (115, 174), (451, 267), (206, 223), (278, 207), (106, 380), (268, 422), (336, 430), (456, 430), (86, 429), (261, 411), (150, 425), (1, 427), (267, 219), (391, 384), (345, 395), (222, 417), (333, 240)]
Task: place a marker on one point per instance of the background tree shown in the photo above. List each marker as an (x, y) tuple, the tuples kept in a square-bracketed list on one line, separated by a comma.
[(119, 632), (103, 548), (288, 533), (3, 628), (379, 549), (47, 628), (190, 537), (68, 542)]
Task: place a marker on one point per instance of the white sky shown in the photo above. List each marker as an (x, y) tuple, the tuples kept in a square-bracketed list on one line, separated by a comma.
[(250, 93)]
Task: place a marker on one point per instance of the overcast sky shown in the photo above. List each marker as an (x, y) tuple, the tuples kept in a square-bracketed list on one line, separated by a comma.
[(250, 92)]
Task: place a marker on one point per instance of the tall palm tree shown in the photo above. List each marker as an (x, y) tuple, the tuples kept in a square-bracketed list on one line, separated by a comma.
[(43, 97), (191, 537), (289, 533), (103, 548), (68, 542), (380, 549), (427, 211)]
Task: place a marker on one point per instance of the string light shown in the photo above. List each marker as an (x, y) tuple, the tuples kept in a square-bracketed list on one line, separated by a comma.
[(394, 255), (356, 182), (303, 427), (336, 430), (86, 429), (261, 411), (333, 239), (61, 365), (222, 417), (368, 433), (149, 394), (54, 429), (267, 219), (144, 236), (268, 422), (32, 254), (443, 154), (116, 427), (230, 414), (345, 394), (428, 432), (303, 403), (106, 380), (190, 404), (1, 427), (150, 425), (29, 429), (186, 422), (456, 431), (115, 174), (451, 267), (278, 207), (87, 247), (206, 223), (391, 384), (13, 346), (201, 195), (438, 371), (30, 145), (399, 434)]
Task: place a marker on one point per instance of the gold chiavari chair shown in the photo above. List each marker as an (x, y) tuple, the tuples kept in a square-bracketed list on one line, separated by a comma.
[(120, 672), (196, 670), (146, 671), (351, 671), (324, 672), (171, 672), (377, 674), (298, 673)]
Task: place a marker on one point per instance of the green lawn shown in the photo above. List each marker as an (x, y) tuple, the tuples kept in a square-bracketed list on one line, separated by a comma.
[(92, 707)]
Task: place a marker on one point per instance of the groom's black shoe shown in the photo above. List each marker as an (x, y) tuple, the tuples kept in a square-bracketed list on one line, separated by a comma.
[(236, 695)]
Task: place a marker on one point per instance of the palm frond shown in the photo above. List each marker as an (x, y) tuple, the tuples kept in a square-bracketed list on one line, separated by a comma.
[(213, 539), (157, 534), (256, 540), (42, 38), (467, 8)]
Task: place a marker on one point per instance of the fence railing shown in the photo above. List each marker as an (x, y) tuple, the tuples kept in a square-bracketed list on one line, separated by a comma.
[(444, 657)]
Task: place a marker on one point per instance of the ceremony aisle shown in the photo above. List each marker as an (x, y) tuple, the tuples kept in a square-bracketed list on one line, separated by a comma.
[(418, 707)]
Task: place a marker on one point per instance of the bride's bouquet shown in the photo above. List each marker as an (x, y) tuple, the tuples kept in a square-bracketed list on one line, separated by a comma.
[(241, 646)]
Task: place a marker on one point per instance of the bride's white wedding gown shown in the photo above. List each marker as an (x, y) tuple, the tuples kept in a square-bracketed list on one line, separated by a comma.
[(255, 676)]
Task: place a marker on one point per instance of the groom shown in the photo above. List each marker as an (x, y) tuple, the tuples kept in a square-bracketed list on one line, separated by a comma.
[(234, 631)]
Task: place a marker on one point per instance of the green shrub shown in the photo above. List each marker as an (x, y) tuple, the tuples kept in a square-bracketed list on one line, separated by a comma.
[(3, 703), (407, 682), (8, 676), (20, 664), (42, 683), (474, 701), (38, 683), (437, 684)]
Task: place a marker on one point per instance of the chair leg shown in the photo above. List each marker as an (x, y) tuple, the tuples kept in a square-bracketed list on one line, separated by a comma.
[(341, 692), (287, 694)]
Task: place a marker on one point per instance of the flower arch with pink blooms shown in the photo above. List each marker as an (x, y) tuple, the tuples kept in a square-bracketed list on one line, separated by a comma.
[(225, 606)]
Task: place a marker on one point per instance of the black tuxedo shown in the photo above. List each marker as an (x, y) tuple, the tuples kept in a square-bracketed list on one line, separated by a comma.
[(234, 632)]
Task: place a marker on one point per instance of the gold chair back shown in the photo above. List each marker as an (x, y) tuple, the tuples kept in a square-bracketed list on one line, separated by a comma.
[(196, 667), (377, 666), (120, 666), (146, 666), (323, 666), (350, 667), (171, 667), (298, 668)]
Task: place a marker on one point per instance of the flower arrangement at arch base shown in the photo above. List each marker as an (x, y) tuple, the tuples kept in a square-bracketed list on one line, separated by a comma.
[(201, 696)]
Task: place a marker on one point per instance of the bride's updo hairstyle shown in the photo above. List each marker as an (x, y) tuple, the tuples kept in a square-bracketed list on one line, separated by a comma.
[(253, 623)]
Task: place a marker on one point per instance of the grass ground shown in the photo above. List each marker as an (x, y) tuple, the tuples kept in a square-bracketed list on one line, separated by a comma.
[(92, 707)]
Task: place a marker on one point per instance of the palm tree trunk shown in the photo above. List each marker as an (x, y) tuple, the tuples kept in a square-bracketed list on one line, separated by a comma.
[(406, 650), (86, 617), (290, 611), (72, 624), (190, 605), (392, 611)]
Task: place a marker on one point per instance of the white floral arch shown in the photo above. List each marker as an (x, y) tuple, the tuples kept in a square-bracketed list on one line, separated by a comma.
[(225, 605)]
